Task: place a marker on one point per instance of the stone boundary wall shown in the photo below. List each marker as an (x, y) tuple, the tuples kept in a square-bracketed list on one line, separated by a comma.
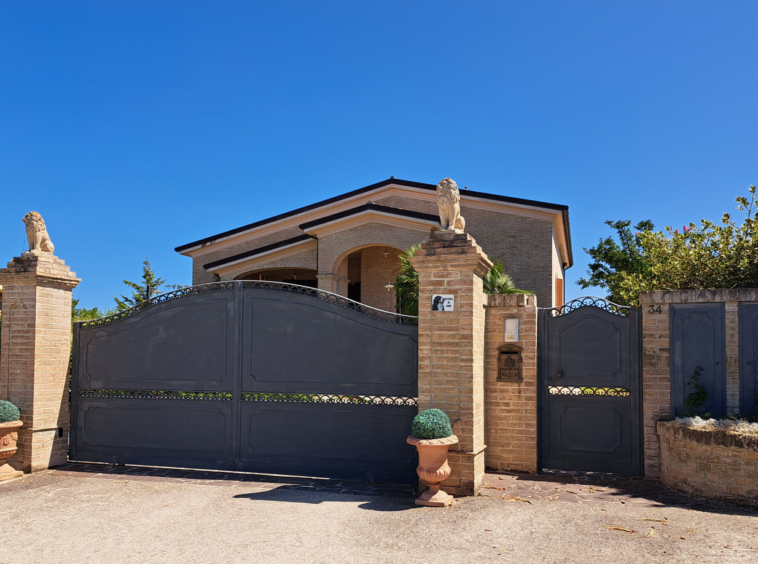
[(656, 361), (511, 407), (709, 463)]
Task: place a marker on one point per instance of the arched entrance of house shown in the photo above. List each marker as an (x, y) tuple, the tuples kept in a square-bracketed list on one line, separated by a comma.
[(300, 276), (367, 272)]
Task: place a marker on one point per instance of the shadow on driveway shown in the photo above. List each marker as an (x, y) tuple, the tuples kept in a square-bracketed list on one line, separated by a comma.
[(314, 495), (601, 489), (379, 497)]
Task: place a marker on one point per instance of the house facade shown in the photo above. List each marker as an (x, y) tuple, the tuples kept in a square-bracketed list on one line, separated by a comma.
[(349, 244)]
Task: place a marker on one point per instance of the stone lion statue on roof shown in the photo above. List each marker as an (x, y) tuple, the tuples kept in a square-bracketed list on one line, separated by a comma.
[(36, 233), (449, 204)]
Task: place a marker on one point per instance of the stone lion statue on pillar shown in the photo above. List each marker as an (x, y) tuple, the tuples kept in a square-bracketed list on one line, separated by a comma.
[(36, 233), (449, 205)]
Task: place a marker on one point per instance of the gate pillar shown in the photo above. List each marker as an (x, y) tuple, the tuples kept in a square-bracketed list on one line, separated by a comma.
[(34, 358), (451, 348)]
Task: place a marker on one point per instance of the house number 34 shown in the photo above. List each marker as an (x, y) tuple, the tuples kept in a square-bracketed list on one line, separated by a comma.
[(654, 309)]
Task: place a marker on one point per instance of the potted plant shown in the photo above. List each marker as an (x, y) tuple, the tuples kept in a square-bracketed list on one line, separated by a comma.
[(432, 437), (9, 426)]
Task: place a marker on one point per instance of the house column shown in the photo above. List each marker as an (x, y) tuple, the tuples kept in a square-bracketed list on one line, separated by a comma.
[(451, 348), (327, 282), (34, 359)]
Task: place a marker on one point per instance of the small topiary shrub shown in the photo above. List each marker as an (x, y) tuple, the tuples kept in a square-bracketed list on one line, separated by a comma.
[(8, 412), (431, 424)]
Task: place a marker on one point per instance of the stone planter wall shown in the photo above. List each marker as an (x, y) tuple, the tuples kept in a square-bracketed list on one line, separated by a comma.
[(709, 463)]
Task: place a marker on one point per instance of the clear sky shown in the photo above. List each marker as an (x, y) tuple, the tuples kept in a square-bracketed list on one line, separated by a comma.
[(136, 126)]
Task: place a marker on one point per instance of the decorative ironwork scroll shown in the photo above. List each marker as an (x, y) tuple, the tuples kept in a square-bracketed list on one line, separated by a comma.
[(156, 394), (589, 391), (331, 298), (159, 299), (328, 398), (322, 295), (589, 301)]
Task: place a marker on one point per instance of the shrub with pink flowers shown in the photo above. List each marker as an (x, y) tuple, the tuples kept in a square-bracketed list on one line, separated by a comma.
[(707, 255)]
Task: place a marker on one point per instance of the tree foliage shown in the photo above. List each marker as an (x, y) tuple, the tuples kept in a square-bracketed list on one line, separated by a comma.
[(406, 284), (84, 314), (705, 256), (147, 287), (496, 281)]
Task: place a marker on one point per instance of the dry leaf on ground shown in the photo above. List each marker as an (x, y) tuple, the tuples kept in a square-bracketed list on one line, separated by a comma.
[(621, 529)]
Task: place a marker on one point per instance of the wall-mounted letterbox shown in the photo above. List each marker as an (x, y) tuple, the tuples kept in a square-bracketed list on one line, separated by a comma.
[(509, 364)]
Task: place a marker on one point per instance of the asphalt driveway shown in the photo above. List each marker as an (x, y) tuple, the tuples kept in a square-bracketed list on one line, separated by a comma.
[(108, 514)]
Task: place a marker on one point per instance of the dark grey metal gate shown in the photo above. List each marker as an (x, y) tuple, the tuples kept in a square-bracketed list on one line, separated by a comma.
[(748, 329), (698, 344), (253, 376), (589, 387)]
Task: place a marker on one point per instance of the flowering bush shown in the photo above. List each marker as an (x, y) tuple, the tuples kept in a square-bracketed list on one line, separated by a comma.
[(705, 256)]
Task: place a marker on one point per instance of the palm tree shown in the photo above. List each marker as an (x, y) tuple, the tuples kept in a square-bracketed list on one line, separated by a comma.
[(406, 284), (496, 281)]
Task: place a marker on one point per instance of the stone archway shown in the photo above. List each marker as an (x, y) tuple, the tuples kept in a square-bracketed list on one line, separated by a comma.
[(301, 276), (363, 274)]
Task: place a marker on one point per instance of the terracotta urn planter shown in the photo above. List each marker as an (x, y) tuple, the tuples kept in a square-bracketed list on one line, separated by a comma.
[(433, 469), (8, 439)]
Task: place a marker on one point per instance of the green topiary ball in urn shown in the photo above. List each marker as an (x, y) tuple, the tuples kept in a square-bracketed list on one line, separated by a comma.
[(10, 423), (432, 436), (431, 424), (8, 412)]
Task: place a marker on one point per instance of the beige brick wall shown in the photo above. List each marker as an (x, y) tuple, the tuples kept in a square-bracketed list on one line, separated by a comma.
[(712, 464), (36, 345), (306, 259), (376, 271), (524, 244), (656, 357), (202, 276), (511, 407), (451, 350)]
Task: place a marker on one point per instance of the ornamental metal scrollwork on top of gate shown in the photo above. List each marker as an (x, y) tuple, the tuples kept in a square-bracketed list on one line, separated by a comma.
[(159, 299), (590, 301), (329, 297)]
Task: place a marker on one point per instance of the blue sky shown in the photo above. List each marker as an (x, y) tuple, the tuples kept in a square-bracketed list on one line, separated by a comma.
[(136, 126)]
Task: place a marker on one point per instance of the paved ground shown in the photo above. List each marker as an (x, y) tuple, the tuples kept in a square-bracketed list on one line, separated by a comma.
[(107, 514)]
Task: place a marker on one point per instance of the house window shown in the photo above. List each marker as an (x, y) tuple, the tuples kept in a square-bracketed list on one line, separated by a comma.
[(558, 292)]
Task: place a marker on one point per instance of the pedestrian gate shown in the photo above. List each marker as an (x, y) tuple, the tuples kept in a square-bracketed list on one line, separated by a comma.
[(253, 376), (589, 374)]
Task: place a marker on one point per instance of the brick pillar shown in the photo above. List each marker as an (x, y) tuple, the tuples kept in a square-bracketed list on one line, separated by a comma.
[(511, 421), (451, 349), (36, 345)]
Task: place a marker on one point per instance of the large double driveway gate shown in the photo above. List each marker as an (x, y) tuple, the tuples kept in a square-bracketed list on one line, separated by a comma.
[(252, 376)]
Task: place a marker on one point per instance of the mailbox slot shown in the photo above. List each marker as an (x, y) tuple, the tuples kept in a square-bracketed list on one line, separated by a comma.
[(509, 363)]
